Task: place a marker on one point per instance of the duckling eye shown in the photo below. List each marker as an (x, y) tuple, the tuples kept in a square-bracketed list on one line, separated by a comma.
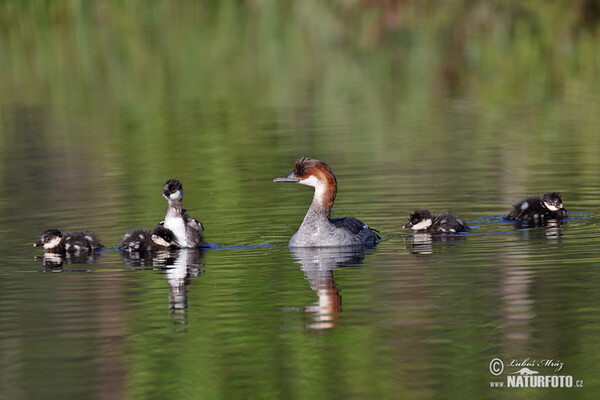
[(302, 169)]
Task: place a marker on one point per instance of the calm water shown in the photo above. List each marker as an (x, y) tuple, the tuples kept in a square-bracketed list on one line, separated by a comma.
[(464, 107)]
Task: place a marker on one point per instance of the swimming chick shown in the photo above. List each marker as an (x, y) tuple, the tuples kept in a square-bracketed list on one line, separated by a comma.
[(140, 240), (423, 221), (186, 229), (317, 229), (76, 242), (535, 209)]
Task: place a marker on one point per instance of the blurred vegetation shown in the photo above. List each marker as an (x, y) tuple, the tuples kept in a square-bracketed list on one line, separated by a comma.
[(226, 68)]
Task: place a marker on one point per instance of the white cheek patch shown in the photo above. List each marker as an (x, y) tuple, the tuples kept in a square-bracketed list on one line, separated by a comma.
[(426, 223), (52, 244), (160, 241), (320, 187), (551, 207), (178, 195), (310, 181)]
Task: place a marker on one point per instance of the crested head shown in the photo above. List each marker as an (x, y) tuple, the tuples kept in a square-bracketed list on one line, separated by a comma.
[(552, 201), (310, 171), (419, 220), (315, 173), (50, 239), (173, 190)]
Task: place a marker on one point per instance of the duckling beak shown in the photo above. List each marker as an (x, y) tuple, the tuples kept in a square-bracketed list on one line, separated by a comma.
[(287, 178), (37, 244), (407, 225)]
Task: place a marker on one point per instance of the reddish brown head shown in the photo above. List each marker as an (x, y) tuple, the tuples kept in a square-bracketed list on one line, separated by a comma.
[(317, 174)]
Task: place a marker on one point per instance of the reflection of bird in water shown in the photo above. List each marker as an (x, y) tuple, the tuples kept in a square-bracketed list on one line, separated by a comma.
[(155, 258), (179, 265), (426, 243), (318, 265), (552, 228), (187, 265), (54, 261)]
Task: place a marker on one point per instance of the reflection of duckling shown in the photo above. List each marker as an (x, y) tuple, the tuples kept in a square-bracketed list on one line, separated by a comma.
[(535, 209), (186, 229), (140, 240), (73, 242), (423, 221), (54, 261)]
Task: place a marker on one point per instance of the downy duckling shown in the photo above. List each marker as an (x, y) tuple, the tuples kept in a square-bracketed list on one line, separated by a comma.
[(535, 209), (317, 229), (186, 229), (140, 240), (423, 221), (74, 242)]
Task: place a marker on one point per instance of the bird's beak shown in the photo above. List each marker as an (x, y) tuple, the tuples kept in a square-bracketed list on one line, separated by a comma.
[(407, 225), (37, 244), (287, 178)]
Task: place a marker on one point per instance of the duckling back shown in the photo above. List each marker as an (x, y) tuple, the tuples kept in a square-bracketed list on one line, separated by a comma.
[(81, 241), (447, 223), (138, 240)]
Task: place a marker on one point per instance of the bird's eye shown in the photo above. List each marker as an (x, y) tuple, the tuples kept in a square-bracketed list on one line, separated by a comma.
[(302, 169)]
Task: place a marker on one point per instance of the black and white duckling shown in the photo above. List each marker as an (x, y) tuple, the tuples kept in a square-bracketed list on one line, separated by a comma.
[(187, 230), (535, 209), (141, 240), (423, 221), (74, 242)]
